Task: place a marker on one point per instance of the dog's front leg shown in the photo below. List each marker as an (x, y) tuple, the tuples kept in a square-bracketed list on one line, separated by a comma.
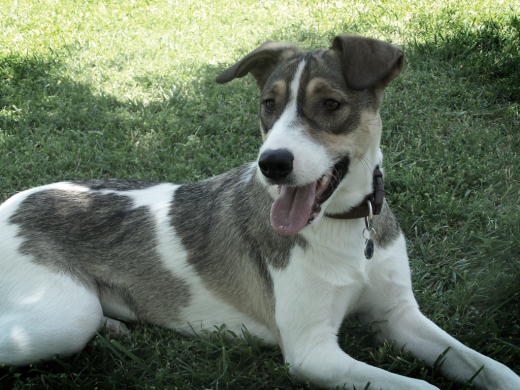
[(309, 312), (415, 333), (389, 300)]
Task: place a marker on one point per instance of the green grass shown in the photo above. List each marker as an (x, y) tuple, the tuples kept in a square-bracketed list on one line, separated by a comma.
[(124, 89)]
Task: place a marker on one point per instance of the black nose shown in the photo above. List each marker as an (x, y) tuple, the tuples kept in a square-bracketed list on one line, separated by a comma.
[(276, 164)]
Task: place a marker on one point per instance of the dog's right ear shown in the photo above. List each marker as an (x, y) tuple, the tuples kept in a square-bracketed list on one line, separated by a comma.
[(260, 63), (368, 62)]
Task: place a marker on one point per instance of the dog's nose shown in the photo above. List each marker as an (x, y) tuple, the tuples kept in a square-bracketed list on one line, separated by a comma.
[(276, 164)]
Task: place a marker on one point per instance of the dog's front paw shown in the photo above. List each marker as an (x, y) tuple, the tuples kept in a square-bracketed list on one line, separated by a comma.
[(497, 377)]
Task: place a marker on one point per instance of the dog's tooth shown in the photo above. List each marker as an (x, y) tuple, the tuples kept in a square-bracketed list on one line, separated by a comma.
[(324, 179), (317, 208)]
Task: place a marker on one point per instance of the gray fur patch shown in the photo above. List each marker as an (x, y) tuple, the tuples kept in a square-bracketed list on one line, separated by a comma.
[(224, 225), (117, 185), (386, 227), (106, 244)]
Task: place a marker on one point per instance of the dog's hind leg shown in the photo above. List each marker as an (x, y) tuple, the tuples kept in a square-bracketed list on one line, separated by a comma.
[(389, 300), (44, 314)]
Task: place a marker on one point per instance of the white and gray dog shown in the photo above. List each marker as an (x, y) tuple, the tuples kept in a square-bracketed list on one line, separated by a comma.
[(278, 246)]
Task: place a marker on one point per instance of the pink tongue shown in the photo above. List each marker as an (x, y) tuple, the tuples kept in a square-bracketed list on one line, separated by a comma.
[(291, 211)]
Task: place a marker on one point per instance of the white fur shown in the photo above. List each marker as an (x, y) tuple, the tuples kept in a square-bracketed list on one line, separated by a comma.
[(312, 301)]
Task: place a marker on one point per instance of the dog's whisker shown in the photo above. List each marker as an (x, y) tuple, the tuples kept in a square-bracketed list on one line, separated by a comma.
[(364, 163)]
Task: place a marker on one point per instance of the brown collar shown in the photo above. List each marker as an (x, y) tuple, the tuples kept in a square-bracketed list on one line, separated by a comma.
[(376, 198)]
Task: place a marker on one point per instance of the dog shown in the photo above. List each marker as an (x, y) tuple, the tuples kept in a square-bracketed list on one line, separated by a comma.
[(286, 246)]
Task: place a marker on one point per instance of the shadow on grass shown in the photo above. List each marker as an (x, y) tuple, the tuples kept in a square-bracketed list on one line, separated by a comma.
[(53, 128), (487, 53), (33, 92)]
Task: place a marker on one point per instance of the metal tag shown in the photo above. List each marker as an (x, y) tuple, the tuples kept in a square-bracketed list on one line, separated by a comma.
[(369, 249), (369, 244)]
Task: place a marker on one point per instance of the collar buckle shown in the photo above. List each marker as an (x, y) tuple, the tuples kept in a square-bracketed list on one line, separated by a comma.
[(376, 198)]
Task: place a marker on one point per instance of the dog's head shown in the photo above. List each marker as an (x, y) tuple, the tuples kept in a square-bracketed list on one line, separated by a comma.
[(319, 117)]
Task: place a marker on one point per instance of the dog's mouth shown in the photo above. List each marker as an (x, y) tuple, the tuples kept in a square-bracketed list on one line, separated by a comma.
[(297, 207)]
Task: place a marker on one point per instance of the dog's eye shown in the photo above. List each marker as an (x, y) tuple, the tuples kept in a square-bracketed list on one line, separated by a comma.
[(270, 105), (331, 105)]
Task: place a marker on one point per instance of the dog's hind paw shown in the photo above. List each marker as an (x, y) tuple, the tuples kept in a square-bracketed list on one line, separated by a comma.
[(115, 327)]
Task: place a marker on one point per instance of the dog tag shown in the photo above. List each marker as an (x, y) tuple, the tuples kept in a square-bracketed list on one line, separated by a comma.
[(369, 243), (369, 249)]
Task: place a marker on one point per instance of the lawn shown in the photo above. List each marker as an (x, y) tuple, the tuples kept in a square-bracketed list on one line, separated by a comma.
[(125, 89)]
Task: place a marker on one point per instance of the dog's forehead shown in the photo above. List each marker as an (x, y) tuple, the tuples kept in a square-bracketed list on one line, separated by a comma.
[(283, 72), (320, 63), (323, 63)]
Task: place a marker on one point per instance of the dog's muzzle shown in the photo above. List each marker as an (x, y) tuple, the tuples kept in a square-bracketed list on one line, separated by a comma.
[(297, 206)]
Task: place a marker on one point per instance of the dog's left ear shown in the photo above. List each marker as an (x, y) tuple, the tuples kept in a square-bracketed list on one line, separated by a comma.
[(260, 63), (368, 62)]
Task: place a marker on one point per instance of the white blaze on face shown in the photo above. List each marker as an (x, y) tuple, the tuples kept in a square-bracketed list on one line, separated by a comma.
[(310, 158), (292, 209)]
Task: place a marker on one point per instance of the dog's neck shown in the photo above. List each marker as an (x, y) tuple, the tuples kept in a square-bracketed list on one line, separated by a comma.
[(375, 198)]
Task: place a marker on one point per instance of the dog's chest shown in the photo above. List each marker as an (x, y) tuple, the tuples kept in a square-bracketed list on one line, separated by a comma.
[(335, 267), (335, 253), (319, 284)]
